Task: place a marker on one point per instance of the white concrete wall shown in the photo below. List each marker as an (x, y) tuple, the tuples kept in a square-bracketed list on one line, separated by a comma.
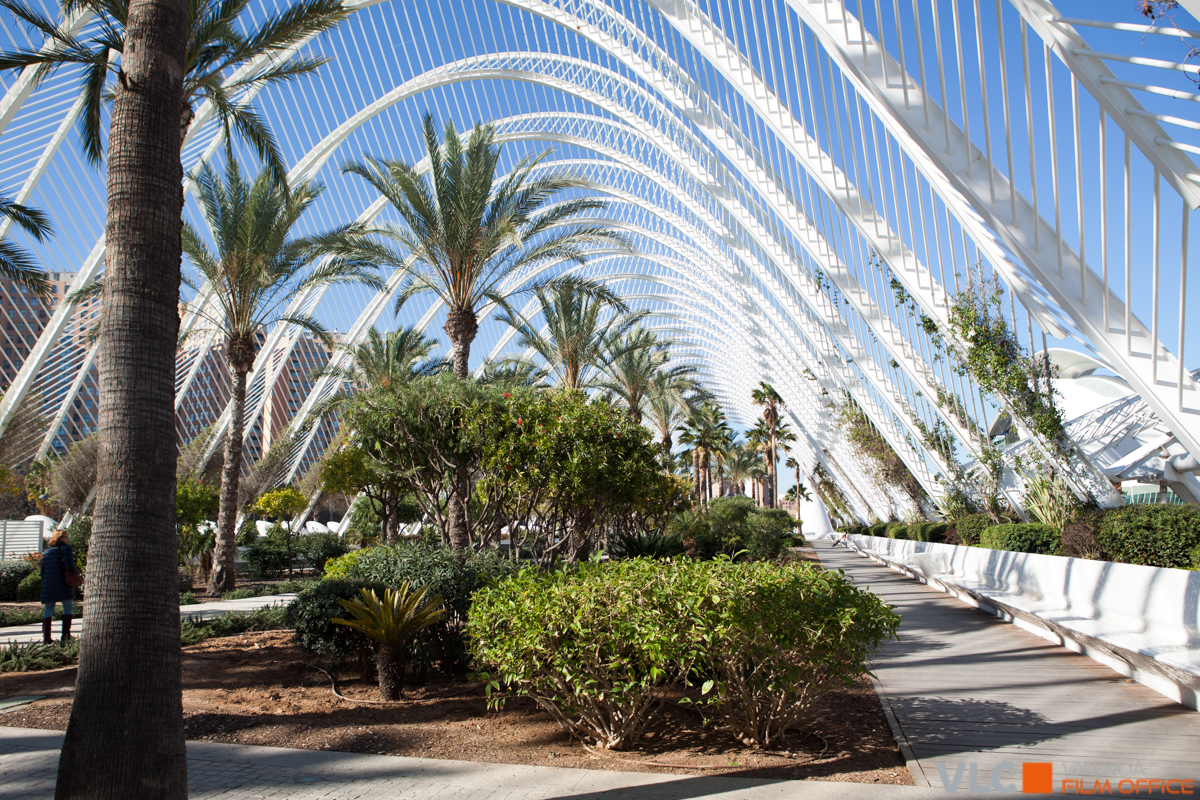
[(814, 518), (1142, 621)]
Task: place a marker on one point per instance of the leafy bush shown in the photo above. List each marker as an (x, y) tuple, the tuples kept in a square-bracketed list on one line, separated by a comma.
[(969, 527), (928, 531), (239, 594), (312, 614), (648, 545), (248, 533), (339, 568), (879, 529), (79, 536), (187, 599), (453, 575), (1078, 541), (780, 638), (735, 527), (1157, 536), (1022, 537), (897, 530), (30, 588), (12, 572), (595, 647), (319, 548), (32, 657), (267, 558)]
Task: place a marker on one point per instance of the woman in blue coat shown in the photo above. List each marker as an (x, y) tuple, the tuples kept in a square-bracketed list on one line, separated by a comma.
[(56, 560)]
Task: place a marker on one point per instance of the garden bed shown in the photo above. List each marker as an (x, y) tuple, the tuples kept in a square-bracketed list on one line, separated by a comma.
[(255, 689)]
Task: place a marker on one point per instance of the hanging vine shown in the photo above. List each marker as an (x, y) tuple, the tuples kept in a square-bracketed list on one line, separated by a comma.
[(831, 496), (871, 444)]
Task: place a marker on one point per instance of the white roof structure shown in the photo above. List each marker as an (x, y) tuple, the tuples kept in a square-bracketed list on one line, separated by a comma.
[(783, 167)]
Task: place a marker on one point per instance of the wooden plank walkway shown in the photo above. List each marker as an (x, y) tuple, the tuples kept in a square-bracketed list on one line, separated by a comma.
[(964, 687)]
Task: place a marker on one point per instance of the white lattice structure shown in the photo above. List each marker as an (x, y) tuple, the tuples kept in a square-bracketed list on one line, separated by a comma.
[(783, 167)]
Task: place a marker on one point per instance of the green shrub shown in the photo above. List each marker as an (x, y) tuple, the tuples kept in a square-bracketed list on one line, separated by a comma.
[(187, 599), (1022, 537), (239, 594), (79, 536), (312, 614), (648, 545), (897, 530), (339, 568), (968, 527), (736, 527), (790, 634), (1196, 557), (455, 576), (34, 657), (12, 572), (267, 558), (248, 533), (596, 647), (1157, 536), (936, 532), (319, 548), (592, 646), (879, 529), (30, 588)]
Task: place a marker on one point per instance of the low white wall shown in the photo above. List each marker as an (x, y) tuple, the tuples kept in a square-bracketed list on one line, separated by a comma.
[(1144, 622)]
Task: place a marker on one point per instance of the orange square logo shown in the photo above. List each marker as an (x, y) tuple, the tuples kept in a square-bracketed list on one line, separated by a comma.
[(1037, 777)]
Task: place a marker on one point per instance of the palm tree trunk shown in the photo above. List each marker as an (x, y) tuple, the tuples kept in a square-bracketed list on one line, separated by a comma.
[(458, 529), (125, 734), (224, 574), (389, 668), (461, 327)]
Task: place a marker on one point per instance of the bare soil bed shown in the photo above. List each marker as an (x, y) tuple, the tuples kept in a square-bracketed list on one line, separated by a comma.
[(255, 689)]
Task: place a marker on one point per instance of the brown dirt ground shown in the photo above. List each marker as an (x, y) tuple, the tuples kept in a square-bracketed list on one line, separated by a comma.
[(255, 689)]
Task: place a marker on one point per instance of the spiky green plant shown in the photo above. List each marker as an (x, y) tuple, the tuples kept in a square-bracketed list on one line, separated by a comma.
[(392, 621), (1050, 500)]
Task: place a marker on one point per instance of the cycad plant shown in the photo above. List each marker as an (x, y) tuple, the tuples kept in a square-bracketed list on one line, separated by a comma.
[(255, 268), (469, 238), (392, 622), (578, 343)]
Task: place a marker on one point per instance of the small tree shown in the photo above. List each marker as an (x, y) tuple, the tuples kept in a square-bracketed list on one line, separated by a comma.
[(286, 505), (196, 502), (349, 471)]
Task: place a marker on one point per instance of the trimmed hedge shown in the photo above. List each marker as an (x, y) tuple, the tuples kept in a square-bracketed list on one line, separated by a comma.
[(1158, 536), (12, 572), (879, 529), (897, 530), (969, 527), (928, 531), (1021, 537)]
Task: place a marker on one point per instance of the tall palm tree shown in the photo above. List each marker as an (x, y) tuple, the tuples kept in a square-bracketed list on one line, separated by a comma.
[(384, 359), (801, 492), (578, 343), (740, 462), (126, 726), (641, 364), (466, 237), (15, 262), (706, 432), (219, 43), (256, 268), (670, 400), (766, 396)]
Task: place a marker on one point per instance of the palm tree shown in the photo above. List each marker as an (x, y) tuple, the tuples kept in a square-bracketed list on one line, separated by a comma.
[(384, 359), (577, 344), (465, 236), (740, 462), (766, 396), (215, 63), (706, 432), (801, 492), (670, 400), (15, 262), (257, 267), (126, 726), (639, 367)]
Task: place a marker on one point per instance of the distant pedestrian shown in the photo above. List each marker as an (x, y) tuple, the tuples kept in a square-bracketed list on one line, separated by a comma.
[(58, 567)]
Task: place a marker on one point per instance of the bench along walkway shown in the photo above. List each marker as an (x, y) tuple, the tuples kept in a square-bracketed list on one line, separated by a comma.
[(29, 762), (965, 688), (200, 611)]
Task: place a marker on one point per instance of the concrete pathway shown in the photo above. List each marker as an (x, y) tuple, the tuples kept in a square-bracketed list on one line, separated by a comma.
[(967, 692), (201, 611), (29, 761)]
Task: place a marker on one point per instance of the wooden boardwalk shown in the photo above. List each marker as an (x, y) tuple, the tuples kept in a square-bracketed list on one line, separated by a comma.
[(964, 687)]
